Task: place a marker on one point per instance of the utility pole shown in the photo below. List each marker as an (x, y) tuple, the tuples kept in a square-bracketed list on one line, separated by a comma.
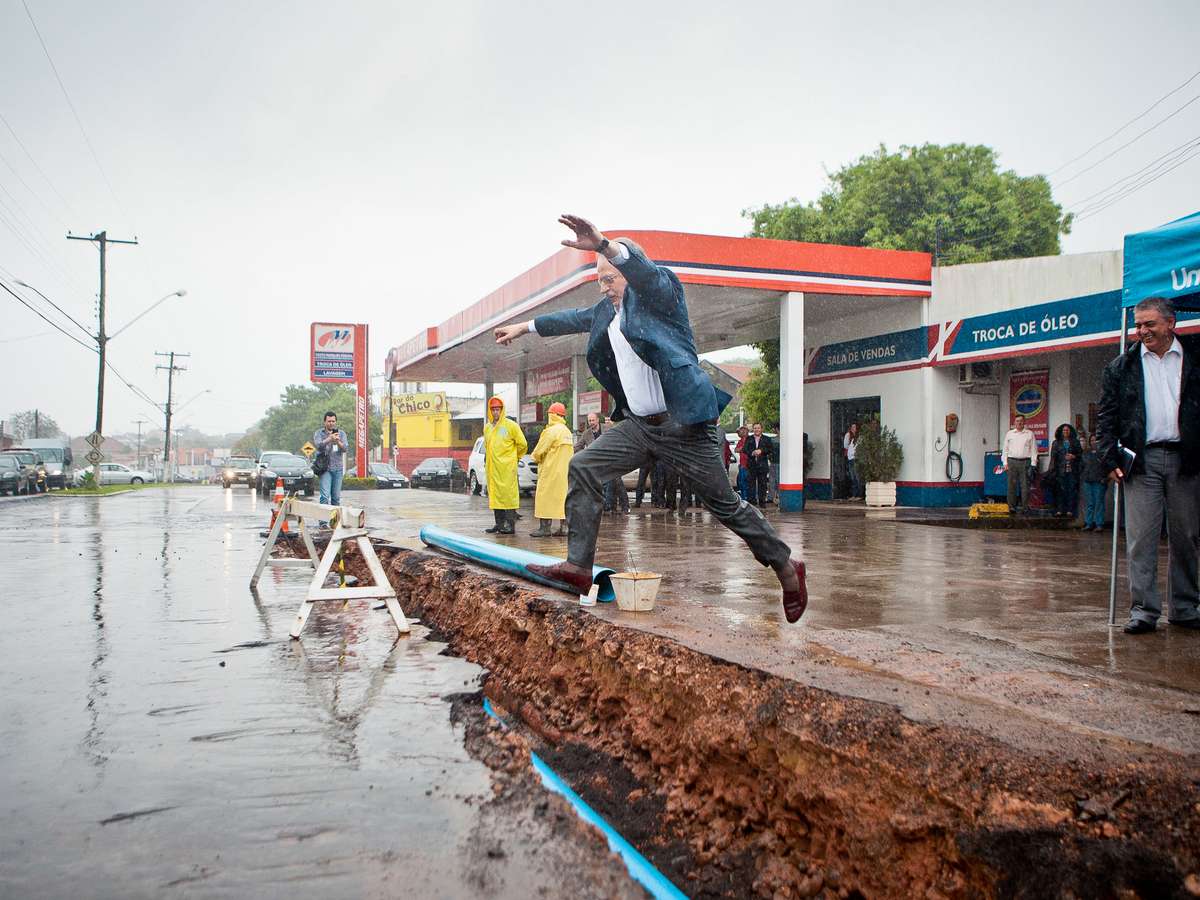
[(36, 433), (139, 423), (102, 240), (168, 468)]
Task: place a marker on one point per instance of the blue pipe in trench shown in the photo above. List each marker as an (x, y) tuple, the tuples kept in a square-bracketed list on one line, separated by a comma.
[(512, 560), (640, 869)]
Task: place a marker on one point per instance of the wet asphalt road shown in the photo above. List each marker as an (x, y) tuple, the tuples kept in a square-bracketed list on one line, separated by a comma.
[(161, 735)]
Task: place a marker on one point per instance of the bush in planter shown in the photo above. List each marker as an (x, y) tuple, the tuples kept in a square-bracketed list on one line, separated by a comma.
[(359, 484), (879, 454)]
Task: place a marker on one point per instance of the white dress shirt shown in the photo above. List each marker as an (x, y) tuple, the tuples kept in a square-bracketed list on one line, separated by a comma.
[(1161, 376), (642, 386), (1019, 445), (850, 445)]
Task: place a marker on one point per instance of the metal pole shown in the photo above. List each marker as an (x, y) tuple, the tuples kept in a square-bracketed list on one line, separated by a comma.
[(1112, 575), (168, 469), (101, 345)]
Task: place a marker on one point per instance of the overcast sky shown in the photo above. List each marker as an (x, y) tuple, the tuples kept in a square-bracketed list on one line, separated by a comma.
[(390, 162)]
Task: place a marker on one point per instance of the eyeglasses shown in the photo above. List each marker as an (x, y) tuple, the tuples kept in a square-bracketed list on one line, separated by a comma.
[(607, 281)]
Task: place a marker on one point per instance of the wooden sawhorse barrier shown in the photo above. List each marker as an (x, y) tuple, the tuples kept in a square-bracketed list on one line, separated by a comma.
[(350, 524)]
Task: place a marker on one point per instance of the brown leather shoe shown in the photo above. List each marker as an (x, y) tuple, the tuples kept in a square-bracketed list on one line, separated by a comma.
[(795, 602), (563, 577)]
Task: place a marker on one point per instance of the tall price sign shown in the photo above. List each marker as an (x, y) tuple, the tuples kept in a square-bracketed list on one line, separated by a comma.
[(338, 354)]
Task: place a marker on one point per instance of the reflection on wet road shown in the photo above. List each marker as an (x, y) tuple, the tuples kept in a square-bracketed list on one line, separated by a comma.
[(160, 733)]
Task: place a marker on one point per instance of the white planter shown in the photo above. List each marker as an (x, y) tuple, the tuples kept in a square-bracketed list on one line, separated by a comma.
[(636, 590), (881, 493)]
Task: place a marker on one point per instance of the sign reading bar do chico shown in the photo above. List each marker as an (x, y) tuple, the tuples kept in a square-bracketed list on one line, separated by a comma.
[(333, 352), (419, 404), (548, 379)]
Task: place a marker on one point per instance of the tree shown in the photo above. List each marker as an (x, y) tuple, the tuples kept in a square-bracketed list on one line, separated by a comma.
[(952, 201), (300, 412), (31, 423)]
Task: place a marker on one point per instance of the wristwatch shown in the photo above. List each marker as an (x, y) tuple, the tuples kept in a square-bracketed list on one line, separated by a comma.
[(603, 246)]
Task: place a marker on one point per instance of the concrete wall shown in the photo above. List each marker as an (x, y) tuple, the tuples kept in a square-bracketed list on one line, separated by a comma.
[(971, 290)]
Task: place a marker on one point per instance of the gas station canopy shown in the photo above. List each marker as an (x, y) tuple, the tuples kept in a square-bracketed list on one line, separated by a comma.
[(734, 289)]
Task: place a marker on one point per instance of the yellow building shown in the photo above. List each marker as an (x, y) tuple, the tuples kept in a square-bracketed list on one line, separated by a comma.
[(425, 427)]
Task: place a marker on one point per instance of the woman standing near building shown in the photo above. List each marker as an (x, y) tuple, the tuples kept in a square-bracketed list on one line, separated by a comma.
[(1065, 459), (553, 455)]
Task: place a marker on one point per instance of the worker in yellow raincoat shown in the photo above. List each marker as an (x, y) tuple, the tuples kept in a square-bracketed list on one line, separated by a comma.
[(503, 446), (553, 454)]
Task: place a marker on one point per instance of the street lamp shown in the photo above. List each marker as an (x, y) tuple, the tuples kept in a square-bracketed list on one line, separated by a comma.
[(146, 310)]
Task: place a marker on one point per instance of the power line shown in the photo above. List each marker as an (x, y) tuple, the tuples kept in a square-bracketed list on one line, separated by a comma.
[(1140, 115), (1134, 188), (78, 121), (45, 177), (56, 306), (50, 322), (1190, 142), (1134, 139)]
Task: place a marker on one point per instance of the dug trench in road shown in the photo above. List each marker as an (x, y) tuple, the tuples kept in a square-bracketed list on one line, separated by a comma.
[(733, 781)]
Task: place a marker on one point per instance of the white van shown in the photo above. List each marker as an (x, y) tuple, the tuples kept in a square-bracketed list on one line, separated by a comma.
[(56, 454)]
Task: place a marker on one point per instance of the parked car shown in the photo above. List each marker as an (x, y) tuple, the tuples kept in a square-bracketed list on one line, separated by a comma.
[(440, 472), (296, 472), (31, 462), (56, 454), (14, 479), (240, 470), (115, 473), (527, 471), (385, 474)]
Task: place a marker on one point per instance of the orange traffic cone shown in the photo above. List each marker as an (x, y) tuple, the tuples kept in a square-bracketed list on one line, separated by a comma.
[(278, 504)]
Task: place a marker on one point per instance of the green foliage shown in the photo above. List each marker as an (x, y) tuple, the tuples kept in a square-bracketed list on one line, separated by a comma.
[(300, 412), (88, 482), (900, 201), (359, 484), (760, 396), (879, 454), (20, 425)]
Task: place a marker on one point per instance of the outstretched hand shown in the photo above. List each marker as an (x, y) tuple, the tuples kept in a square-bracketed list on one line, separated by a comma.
[(506, 334), (587, 235)]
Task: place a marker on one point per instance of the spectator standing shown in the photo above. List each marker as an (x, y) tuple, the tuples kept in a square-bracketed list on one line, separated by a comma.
[(774, 455), (1065, 454), (658, 485), (331, 443), (503, 445), (588, 433), (758, 450), (1019, 453), (850, 451), (1091, 469), (644, 475), (743, 476), (1149, 429), (553, 455)]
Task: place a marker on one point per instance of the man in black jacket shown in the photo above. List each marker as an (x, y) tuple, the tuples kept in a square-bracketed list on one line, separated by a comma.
[(758, 449), (1149, 427)]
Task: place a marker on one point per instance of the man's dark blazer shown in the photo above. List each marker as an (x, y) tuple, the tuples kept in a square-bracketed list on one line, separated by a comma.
[(1122, 415), (657, 327), (759, 462)]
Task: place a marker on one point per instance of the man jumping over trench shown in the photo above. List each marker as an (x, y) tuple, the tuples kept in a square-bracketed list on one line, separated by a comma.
[(642, 350)]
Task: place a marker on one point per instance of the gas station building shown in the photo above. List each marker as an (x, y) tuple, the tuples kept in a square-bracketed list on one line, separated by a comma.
[(861, 331)]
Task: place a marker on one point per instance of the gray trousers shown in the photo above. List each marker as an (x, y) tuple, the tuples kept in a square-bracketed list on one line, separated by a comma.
[(1018, 478), (694, 451), (1160, 487)]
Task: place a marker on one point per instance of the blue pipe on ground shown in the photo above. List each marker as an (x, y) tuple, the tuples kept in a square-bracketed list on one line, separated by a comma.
[(512, 560), (640, 869)]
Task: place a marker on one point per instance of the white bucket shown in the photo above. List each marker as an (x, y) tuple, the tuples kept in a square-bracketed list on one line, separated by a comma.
[(635, 590)]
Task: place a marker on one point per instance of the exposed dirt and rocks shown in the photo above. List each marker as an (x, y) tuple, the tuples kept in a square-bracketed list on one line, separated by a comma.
[(736, 782)]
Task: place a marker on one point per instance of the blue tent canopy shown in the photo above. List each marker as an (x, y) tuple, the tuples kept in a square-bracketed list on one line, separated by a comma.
[(1164, 262)]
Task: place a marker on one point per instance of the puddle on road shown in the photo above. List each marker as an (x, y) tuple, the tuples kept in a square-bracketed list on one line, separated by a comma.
[(159, 730)]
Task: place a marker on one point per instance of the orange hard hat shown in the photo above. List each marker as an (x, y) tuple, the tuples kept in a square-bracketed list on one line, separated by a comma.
[(558, 409)]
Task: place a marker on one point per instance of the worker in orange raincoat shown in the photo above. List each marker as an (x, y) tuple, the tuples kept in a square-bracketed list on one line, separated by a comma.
[(503, 446), (553, 454)]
